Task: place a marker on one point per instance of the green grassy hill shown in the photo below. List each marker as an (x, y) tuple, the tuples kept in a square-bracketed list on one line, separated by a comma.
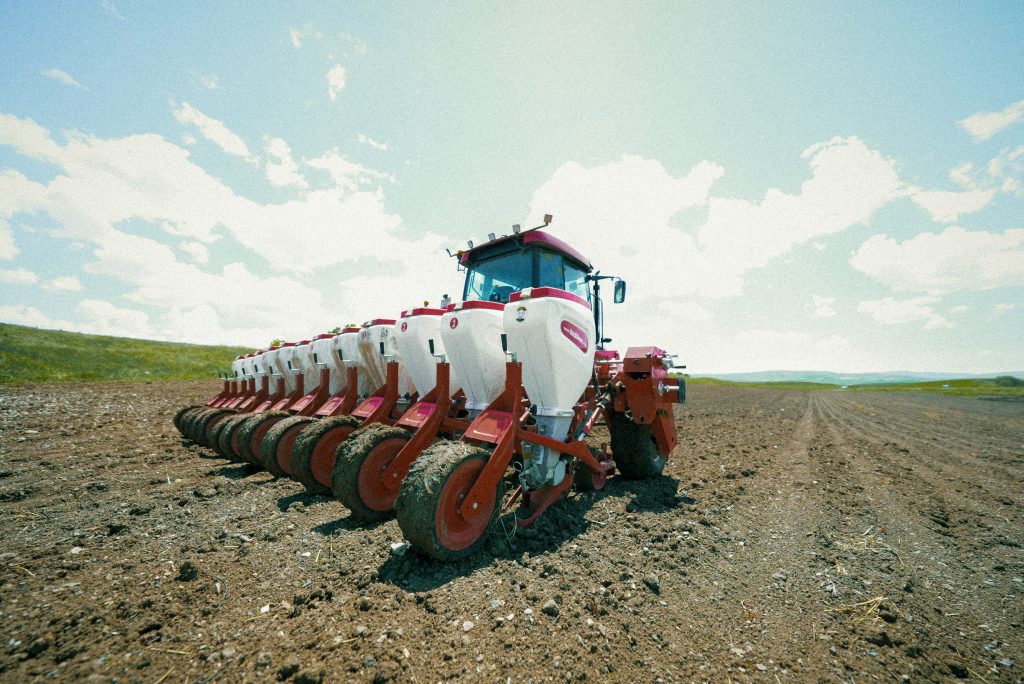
[(34, 355), (1005, 386)]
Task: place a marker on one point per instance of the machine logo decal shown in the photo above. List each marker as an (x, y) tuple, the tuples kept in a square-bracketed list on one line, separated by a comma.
[(405, 326), (521, 313), (576, 336), (454, 323)]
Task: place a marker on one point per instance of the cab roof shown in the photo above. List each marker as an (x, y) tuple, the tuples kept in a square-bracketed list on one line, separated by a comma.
[(534, 236)]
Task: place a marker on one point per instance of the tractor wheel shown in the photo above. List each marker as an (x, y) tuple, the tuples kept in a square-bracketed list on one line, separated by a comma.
[(181, 414), (634, 449), (428, 501), (188, 423), (251, 433), (276, 447), (221, 437), (203, 425), (358, 480), (215, 433), (586, 480), (315, 448)]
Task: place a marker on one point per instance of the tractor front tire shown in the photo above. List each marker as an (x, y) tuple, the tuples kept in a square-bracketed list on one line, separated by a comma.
[(315, 449), (634, 449), (276, 447), (359, 467), (428, 501)]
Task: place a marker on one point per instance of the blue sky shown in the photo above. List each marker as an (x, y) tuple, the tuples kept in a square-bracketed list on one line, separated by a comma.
[(783, 186)]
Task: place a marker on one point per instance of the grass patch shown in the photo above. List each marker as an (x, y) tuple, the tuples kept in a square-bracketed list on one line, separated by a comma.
[(34, 355), (966, 387), (767, 385)]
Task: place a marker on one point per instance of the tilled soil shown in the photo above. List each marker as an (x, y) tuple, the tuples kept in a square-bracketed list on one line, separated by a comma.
[(794, 537)]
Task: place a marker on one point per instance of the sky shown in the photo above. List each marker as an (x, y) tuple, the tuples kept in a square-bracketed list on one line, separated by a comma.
[(804, 186)]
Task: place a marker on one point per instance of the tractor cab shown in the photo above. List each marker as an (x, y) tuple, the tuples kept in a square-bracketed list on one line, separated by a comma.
[(515, 262), (534, 258)]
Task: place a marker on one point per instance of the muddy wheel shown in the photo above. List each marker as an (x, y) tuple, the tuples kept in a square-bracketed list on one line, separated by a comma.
[(204, 424), (251, 432), (188, 423), (585, 479), (634, 449), (216, 430), (181, 414), (358, 478), (427, 507), (276, 447), (315, 448), (226, 436)]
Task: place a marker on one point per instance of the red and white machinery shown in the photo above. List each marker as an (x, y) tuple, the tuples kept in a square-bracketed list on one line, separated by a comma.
[(500, 392)]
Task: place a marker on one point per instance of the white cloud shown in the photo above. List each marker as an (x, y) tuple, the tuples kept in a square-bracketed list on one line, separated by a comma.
[(347, 174), (106, 187), (335, 80), (946, 207), (18, 276), (984, 125), (8, 250), (111, 9), (959, 309), (103, 318), (824, 307), (1004, 307), (281, 168), (889, 311), (209, 81), (952, 260), (188, 139), (1007, 170), (197, 250), (298, 36), (367, 140), (64, 284), (213, 130), (962, 176), (29, 138), (64, 77), (21, 314)]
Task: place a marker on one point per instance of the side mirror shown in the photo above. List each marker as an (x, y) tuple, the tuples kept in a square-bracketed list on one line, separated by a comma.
[(620, 291)]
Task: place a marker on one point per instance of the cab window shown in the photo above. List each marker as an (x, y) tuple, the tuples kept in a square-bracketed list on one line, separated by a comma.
[(550, 269), (576, 281), (495, 279)]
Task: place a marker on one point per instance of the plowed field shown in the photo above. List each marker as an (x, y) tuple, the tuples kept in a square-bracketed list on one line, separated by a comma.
[(795, 536)]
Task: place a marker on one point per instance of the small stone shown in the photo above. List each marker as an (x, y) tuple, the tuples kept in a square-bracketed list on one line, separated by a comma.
[(398, 549), (653, 583), (265, 609), (780, 576), (364, 604), (761, 667), (361, 630), (264, 659), (75, 550), (468, 625), (551, 608), (228, 652)]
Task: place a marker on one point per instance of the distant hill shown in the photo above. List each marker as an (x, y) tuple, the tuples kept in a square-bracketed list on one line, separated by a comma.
[(35, 355), (829, 378)]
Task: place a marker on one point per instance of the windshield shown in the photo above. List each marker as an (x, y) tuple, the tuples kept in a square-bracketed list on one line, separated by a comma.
[(494, 280)]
